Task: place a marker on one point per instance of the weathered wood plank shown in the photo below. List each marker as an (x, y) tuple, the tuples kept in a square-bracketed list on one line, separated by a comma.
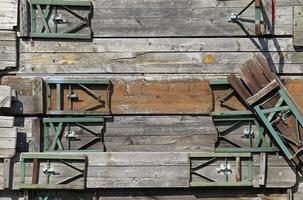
[(29, 95), (211, 63), (8, 49), (149, 95), (8, 142), (141, 45), (24, 18), (297, 26), (8, 14), (27, 135), (136, 134), (5, 96), (155, 21), (174, 18), (135, 170), (184, 4), (6, 122), (156, 56)]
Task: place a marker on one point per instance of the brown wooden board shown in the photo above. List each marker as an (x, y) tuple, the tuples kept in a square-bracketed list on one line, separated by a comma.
[(226, 99), (132, 95), (148, 96)]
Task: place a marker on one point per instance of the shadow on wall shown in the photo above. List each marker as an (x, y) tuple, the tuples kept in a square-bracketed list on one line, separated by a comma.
[(142, 194), (261, 42)]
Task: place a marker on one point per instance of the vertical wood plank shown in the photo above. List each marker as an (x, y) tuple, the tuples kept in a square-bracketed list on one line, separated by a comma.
[(24, 18)]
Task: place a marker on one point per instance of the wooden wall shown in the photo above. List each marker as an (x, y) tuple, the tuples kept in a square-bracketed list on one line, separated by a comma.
[(160, 56)]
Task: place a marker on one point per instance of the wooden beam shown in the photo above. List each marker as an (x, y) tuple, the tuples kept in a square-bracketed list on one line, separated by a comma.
[(156, 55)]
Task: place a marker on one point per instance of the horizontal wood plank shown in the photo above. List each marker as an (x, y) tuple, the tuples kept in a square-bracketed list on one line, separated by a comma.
[(129, 96), (191, 55), (150, 170), (153, 20)]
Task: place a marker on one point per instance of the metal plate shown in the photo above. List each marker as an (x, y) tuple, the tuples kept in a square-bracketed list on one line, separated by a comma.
[(53, 171), (60, 19), (66, 134)]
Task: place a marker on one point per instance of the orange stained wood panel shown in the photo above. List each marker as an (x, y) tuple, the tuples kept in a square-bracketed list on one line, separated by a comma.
[(295, 88), (145, 97)]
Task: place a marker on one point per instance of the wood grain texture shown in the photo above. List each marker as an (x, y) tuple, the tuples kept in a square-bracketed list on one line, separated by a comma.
[(161, 97), (8, 142), (129, 96), (29, 95), (5, 96), (27, 136), (154, 95), (148, 134), (176, 18), (8, 49), (156, 77), (8, 16), (154, 170), (294, 87), (297, 26), (132, 18), (184, 4), (156, 55)]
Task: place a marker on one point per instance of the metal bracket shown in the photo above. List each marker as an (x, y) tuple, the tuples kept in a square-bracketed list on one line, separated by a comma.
[(229, 172), (50, 178), (236, 119), (78, 97), (47, 19), (270, 116), (56, 128), (259, 10)]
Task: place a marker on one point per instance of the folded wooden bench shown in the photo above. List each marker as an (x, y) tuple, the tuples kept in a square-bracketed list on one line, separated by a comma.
[(265, 95)]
